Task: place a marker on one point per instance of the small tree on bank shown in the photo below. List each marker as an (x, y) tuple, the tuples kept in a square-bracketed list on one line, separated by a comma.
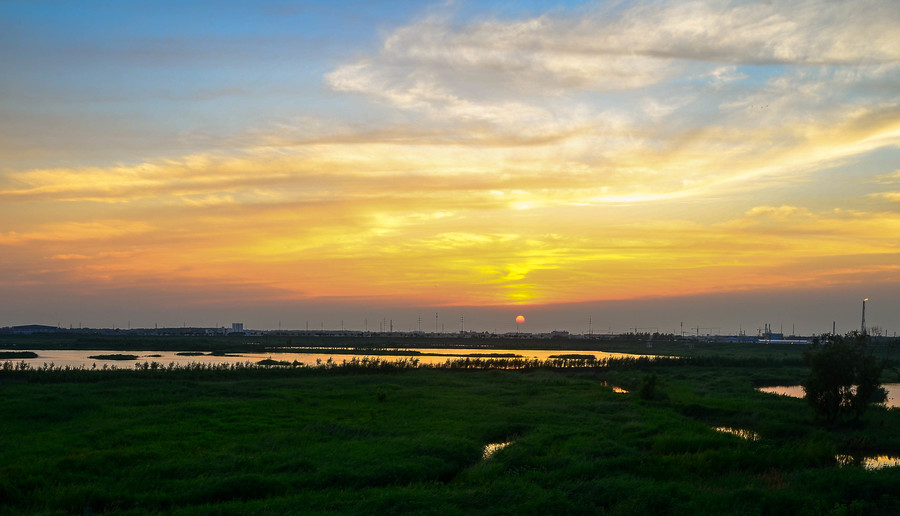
[(843, 376)]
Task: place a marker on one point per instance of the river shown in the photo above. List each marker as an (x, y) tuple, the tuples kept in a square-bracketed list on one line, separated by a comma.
[(81, 358)]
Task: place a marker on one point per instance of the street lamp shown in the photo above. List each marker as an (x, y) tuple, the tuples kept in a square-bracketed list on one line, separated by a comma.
[(863, 326)]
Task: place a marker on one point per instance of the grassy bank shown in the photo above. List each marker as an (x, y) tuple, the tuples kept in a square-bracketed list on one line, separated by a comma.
[(303, 441)]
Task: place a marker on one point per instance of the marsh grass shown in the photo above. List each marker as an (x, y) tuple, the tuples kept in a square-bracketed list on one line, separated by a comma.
[(370, 436)]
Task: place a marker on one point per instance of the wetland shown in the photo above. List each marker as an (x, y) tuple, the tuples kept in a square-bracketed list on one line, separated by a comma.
[(363, 437)]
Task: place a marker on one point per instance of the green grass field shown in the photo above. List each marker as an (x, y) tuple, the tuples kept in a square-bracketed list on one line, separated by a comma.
[(389, 439), (308, 441)]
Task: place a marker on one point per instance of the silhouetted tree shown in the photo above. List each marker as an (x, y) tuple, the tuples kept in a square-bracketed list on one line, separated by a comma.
[(843, 376)]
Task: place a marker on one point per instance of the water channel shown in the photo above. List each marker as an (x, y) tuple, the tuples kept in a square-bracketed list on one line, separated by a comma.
[(796, 391), (81, 358), (869, 462)]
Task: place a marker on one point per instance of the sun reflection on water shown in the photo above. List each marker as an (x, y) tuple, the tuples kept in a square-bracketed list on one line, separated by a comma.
[(492, 448), (615, 389), (868, 463), (740, 432)]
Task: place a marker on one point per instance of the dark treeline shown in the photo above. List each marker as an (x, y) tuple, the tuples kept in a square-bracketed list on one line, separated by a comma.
[(273, 342)]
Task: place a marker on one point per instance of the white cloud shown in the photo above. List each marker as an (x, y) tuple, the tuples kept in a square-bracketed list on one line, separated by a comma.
[(558, 74), (724, 75), (784, 32), (603, 51)]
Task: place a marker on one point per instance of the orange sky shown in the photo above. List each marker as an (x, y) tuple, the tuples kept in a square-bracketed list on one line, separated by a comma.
[(457, 158)]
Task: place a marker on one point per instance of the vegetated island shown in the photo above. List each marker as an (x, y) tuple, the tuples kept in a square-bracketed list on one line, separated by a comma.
[(270, 362), (573, 357), (115, 356), (8, 355)]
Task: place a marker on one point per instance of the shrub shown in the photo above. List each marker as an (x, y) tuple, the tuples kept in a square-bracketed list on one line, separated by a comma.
[(843, 376)]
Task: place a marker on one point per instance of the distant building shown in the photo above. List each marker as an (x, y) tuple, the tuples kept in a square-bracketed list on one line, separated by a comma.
[(237, 327), (30, 329)]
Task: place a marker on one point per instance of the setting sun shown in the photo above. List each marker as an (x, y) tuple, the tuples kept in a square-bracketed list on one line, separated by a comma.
[(392, 170)]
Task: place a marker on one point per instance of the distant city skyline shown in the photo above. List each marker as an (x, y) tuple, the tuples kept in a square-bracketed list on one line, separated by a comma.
[(794, 314), (637, 164)]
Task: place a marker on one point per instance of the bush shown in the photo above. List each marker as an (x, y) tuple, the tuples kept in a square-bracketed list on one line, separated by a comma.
[(843, 376)]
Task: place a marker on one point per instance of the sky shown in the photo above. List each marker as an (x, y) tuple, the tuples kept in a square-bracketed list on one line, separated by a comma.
[(595, 166)]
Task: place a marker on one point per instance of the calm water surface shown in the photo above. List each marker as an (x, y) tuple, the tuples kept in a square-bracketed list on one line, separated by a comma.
[(796, 391), (739, 432), (80, 358), (490, 449), (870, 463)]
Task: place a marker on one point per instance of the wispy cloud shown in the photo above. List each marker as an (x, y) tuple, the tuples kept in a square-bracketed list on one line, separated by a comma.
[(652, 149), (564, 78)]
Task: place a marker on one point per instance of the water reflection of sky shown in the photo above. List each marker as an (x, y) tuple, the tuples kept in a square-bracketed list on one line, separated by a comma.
[(869, 463), (80, 358), (492, 448), (616, 389), (739, 432), (796, 391)]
